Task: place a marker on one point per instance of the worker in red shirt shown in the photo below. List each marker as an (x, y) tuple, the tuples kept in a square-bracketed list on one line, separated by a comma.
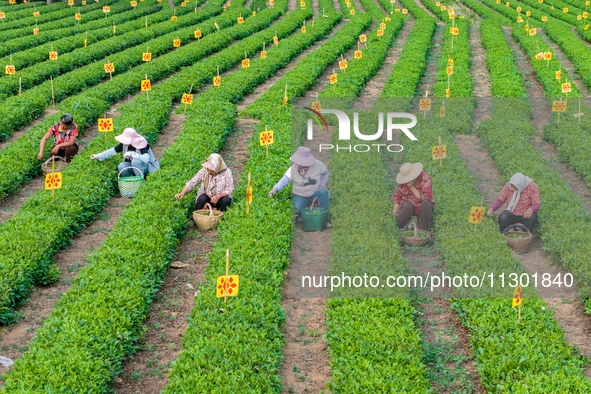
[(413, 196), (523, 203), (64, 135)]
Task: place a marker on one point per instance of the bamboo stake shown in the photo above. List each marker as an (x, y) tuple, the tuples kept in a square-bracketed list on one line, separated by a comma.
[(147, 98), (85, 39), (440, 158), (146, 21), (267, 145), (52, 93), (52, 172), (20, 85), (227, 274), (247, 202)]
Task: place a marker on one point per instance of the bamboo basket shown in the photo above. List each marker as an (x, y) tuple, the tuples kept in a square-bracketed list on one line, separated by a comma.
[(522, 242), (59, 163), (415, 240), (204, 221)]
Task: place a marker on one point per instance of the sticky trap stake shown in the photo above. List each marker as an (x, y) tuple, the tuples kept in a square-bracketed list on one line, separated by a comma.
[(52, 93), (440, 158), (227, 273)]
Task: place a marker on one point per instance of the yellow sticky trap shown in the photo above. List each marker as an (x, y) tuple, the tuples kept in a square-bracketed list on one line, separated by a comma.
[(227, 286)]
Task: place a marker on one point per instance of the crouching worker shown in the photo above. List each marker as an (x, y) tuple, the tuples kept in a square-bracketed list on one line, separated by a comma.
[(309, 177), (523, 204), (136, 153), (216, 182), (413, 196), (64, 135)]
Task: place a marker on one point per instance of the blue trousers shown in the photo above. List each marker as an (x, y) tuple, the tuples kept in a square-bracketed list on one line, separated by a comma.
[(131, 172), (300, 202)]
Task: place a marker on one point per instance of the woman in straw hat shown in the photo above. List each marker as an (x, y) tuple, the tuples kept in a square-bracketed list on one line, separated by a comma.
[(309, 177), (413, 196), (216, 182), (136, 153), (523, 202)]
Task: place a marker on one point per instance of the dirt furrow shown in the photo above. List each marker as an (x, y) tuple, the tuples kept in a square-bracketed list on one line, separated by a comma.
[(568, 66), (325, 77), (428, 11), (14, 339), (17, 134), (381, 7), (280, 73), (541, 116), (146, 372), (567, 306), (374, 87), (430, 74), (306, 367), (480, 77)]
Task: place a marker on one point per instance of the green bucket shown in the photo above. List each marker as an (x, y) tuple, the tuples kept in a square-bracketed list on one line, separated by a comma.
[(314, 219)]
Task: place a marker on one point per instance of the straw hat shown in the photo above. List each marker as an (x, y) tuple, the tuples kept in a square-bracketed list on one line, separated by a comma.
[(408, 172), (303, 157), (131, 137)]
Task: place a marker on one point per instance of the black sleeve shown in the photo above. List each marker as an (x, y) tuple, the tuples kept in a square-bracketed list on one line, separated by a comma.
[(119, 148), (145, 150)]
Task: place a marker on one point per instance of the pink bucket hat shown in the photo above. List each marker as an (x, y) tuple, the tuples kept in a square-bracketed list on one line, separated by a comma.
[(131, 137), (303, 157)]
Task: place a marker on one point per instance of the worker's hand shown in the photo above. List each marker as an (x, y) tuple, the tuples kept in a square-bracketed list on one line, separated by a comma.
[(93, 157), (490, 212), (179, 195), (394, 212), (54, 150), (272, 192), (130, 155), (527, 214), (215, 199), (39, 155)]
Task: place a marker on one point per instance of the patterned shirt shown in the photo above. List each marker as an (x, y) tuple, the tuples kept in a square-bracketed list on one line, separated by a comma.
[(529, 198), (61, 136), (424, 186), (219, 183)]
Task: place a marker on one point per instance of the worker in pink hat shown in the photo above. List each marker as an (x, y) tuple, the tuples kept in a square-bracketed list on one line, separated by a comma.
[(136, 153), (309, 177), (217, 184), (413, 196)]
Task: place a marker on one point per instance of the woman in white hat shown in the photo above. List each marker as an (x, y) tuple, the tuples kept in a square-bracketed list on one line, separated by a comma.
[(136, 152), (413, 196), (216, 182), (523, 202), (309, 177)]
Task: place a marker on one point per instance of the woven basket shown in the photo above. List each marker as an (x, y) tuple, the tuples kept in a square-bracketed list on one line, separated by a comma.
[(59, 163), (415, 240), (129, 185), (522, 242), (204, 221)]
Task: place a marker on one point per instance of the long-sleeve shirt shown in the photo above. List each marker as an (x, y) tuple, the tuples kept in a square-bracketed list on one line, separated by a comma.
[(145, 155), (302, 186), (423, 185), (529, 198), (219, 183)]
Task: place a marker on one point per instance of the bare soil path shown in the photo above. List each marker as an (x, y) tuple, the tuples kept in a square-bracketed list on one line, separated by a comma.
[(428, 11), (480, 77), (428, 79), (374, 86), (568, 309)]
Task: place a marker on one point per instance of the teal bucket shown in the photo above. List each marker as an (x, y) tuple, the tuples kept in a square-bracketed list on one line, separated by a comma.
[(314, 219)]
